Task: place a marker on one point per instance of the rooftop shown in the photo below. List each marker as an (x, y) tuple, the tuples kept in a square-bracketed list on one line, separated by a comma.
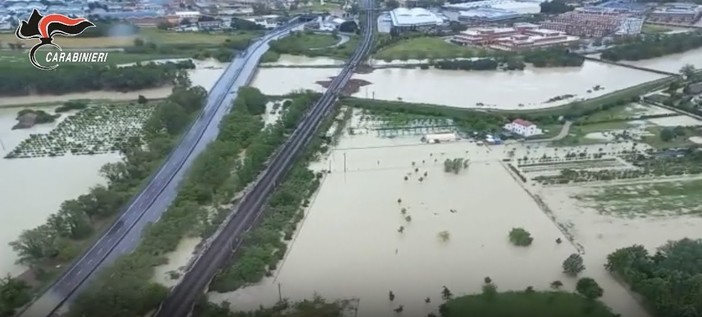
[(677, 7), (489, 13), (522, 122), (414, 16)]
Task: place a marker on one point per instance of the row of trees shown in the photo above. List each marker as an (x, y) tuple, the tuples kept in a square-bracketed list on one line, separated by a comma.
[(264, 248), (670, 280), (553, 57), (58, 240), (81, 78), (14, 293), (317, 307), (478, 64), (298, 44), (124, 288), (653, 45)]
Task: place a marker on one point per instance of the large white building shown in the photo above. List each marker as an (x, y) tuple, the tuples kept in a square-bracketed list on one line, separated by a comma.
[(415, 17), (523, 128)]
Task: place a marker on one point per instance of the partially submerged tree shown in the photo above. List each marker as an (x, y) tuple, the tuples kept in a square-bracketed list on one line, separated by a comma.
[(573, 264), (589, 288)]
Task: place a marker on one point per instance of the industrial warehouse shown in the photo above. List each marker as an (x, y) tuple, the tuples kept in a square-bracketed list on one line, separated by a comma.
[(611, 18)]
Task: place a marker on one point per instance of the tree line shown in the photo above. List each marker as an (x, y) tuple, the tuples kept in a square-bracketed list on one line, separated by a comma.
[(124, 288), (670, 280), (553, 57), (14, 293), (266, 245), (58, 240), (653, 45), (82, 78)]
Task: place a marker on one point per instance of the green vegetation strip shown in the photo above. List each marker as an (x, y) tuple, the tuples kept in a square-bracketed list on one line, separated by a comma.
[(653, 45), (653, 199), (670, 281), (493, 120), (125, 289), (687, 163), (75, 78), (263, 247), (78, 221), (525, 304), (312, 44)]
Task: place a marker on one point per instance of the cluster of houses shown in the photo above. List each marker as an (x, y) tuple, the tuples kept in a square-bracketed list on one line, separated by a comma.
[(519, 128), (146, 13)]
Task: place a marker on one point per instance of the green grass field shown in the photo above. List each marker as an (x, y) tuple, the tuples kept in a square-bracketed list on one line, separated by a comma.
[(523, 304), (645, 200), (424, 48), (154, 35), (655, 140), (654, 29)]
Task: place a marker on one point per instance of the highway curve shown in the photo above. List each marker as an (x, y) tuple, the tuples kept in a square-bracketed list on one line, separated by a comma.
[(184, 295), (153, 200)]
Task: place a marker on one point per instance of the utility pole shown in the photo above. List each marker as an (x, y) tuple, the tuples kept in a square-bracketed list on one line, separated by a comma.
[(344, 162), (280, 294)]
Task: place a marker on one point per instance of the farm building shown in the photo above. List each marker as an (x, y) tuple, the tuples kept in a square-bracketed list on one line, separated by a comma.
[(523, 128), (440, 137)]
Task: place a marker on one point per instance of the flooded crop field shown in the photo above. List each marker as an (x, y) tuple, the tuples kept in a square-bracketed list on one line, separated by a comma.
[(398, 221)]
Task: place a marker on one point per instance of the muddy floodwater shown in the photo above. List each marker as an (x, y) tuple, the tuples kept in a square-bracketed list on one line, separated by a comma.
[(349, 246), (528, 89), (31, 189), (671, 63), (205, 75)]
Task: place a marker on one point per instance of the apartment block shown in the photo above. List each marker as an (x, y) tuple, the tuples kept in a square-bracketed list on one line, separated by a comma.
[(519, 37)]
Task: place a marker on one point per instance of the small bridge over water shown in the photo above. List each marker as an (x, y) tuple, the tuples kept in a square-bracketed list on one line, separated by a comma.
[(660, 72)]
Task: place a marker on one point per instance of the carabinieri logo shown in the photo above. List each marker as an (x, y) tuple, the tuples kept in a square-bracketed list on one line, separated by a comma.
[(45, 28)]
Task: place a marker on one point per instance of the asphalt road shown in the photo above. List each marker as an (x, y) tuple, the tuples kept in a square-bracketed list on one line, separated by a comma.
[(220, 247), (149, 205)]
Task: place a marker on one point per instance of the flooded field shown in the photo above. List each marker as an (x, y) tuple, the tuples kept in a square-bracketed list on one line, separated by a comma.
[(530, 88), (32, 189), (46, 182), (352, 229), (601, 233), (297, 60), (671, 63), (206, 74)]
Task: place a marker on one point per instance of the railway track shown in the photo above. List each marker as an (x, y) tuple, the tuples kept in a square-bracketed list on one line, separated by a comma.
[(81, 270), (183, 296)]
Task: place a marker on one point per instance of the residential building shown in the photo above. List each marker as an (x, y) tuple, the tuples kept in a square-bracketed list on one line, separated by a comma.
[(267, 21), (676, 13), (215, 24), (523, 128), (519, 37), (592, 22), (187, 14)]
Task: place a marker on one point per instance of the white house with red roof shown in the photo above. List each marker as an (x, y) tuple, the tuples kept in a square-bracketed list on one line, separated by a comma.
[(523, 128)]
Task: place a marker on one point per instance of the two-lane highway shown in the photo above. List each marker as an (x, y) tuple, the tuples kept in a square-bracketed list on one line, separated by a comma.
[(183, 296), (160, 191)]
